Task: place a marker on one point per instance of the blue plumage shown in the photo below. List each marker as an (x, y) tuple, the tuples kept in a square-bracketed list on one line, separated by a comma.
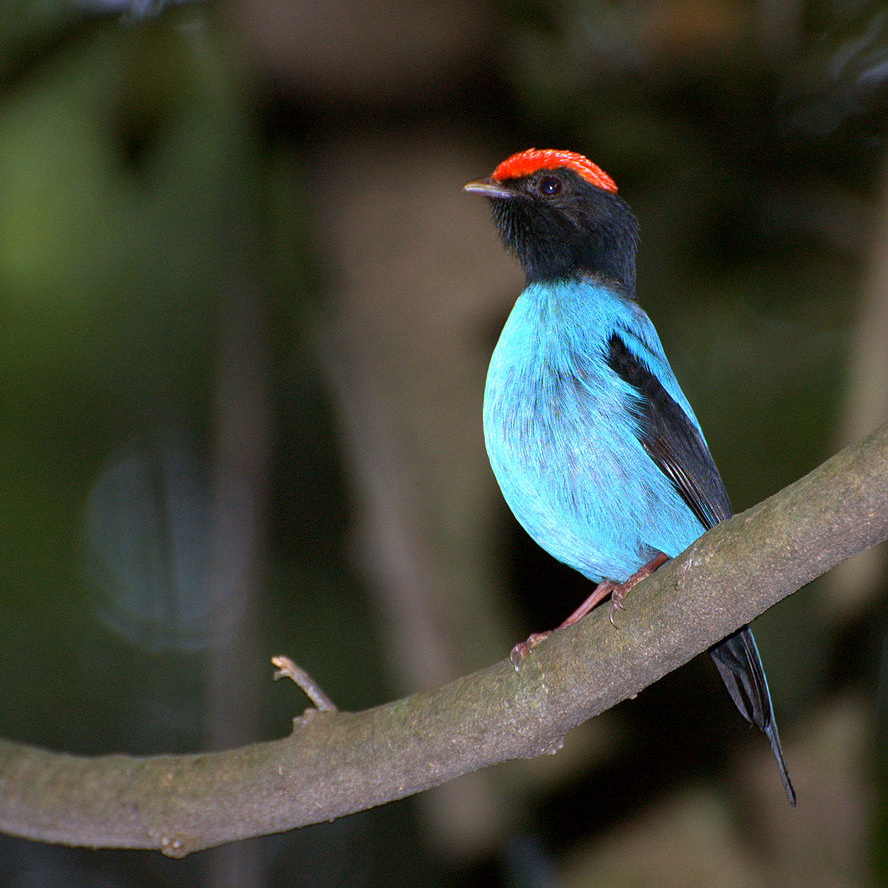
[(563, 432), (594, 445)]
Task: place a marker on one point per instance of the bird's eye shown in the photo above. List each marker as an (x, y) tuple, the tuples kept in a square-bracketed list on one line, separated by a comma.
[(549, 186)]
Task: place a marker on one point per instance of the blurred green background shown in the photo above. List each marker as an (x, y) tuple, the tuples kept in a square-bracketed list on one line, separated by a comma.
[(245, 315)]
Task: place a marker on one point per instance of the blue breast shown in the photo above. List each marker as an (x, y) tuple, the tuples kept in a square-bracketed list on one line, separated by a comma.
[(563, 437)]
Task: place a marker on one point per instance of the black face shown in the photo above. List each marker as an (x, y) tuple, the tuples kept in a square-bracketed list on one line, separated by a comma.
[(560, 226)]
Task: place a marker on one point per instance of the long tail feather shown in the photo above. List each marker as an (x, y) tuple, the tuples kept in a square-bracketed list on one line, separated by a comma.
[(740, 667)]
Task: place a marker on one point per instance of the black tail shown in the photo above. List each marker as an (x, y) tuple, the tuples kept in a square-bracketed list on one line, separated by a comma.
[(740, 666)]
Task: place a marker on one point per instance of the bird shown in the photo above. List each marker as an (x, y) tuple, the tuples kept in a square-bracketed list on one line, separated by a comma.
[(593, 443)]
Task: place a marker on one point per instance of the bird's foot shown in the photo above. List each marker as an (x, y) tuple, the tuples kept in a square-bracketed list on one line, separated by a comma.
[(619, 593), (523, 648)]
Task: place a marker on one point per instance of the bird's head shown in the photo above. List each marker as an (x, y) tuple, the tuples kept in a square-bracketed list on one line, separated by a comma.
[(561, 216)]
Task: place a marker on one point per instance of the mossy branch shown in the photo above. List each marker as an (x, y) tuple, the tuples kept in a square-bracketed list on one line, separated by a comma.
[(336, 763)]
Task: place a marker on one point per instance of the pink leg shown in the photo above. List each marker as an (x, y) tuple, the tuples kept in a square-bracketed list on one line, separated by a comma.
[(617, 591)]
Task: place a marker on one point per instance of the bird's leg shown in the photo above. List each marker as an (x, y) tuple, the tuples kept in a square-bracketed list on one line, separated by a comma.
[(599, 593), (617, 591)]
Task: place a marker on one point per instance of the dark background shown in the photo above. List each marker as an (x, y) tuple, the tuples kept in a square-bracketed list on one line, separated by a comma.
[(245, 315)]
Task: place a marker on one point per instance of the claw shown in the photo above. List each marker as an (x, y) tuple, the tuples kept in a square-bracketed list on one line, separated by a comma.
[(523, 648)]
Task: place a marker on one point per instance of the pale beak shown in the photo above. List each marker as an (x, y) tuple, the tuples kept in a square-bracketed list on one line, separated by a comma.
[(489, 188)]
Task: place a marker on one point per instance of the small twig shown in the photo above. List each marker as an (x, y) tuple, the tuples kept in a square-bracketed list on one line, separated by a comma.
[(286, 668)]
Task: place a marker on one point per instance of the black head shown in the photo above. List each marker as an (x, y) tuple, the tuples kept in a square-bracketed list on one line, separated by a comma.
[(561, 216)]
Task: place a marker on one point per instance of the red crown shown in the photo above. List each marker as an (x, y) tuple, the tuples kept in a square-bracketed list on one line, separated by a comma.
[(533, 159)]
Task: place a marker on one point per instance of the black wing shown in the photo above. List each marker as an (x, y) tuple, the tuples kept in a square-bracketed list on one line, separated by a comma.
[(676, 446), (673, 442)]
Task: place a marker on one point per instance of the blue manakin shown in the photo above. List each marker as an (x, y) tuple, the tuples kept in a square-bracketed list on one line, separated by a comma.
[(594, 445)]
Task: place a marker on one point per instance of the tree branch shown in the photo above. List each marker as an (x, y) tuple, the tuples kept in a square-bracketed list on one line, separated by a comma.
[(336, 763)]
